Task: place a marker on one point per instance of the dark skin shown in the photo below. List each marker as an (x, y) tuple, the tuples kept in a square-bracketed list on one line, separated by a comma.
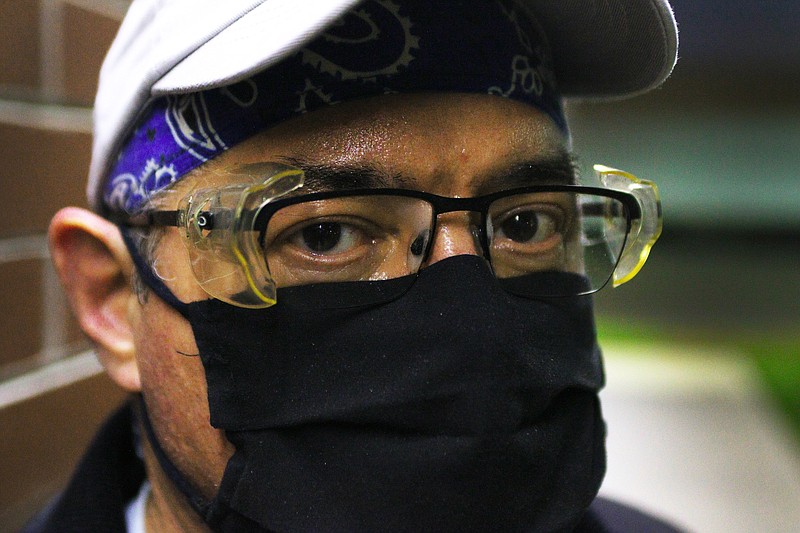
[(449, 145)]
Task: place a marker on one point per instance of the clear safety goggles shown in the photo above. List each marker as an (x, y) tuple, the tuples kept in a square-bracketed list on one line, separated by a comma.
[(248, 239)]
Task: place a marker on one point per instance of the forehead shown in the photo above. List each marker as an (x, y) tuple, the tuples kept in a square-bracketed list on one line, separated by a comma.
[(443, 143)]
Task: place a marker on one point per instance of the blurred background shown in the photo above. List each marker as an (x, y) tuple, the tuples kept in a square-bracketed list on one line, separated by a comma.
[(703, 347)]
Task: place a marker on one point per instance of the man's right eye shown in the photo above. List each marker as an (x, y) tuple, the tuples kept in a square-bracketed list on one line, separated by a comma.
[(326, 237)]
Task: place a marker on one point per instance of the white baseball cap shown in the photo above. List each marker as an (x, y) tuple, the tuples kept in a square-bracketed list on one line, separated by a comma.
[(601, 49)]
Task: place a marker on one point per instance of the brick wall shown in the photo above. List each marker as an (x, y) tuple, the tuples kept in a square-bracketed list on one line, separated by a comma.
[(52, 393)]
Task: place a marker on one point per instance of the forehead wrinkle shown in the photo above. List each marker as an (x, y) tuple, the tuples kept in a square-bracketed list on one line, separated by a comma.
[(520, 166), (508, 152), (558, 168), (322, 176), (440, 143)]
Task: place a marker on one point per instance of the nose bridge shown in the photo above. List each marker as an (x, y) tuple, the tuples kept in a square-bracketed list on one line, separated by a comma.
[(456, 233)]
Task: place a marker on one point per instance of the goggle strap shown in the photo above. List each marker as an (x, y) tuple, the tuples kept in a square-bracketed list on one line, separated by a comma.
[(148, 276)]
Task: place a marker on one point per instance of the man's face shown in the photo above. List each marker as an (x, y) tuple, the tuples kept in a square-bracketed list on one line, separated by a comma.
[(450, 145)]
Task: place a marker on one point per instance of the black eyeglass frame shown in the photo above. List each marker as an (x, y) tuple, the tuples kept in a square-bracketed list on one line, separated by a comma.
[(208, 220)]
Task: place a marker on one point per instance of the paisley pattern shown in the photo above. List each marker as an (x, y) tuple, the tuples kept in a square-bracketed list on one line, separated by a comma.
[(191, 127), (381, 34)]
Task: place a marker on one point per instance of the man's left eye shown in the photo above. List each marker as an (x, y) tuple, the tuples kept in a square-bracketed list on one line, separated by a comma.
[(526, 227)]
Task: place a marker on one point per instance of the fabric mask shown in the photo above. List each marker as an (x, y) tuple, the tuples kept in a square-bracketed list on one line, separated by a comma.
[(453, 407)]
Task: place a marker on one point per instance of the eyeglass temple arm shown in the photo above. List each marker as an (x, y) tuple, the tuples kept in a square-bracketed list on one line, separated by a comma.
[(153, 218), (206, 220)]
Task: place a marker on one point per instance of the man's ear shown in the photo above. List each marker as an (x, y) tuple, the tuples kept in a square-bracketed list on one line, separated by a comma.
[(95, 269)]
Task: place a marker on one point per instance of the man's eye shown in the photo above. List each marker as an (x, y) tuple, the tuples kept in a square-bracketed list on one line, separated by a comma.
[(527, 226), (326, 237), (520, 227)]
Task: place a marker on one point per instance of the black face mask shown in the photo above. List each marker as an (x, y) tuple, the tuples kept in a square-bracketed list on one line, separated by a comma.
[(454, 407)]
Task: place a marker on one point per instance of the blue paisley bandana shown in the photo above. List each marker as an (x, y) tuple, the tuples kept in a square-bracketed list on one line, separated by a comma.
[(380, 47)]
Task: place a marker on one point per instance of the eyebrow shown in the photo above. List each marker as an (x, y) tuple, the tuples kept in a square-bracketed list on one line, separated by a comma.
[(324, 177), (556, 169), (559, 169)]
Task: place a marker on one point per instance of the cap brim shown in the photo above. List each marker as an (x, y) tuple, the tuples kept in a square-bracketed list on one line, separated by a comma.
[(600, 48), (268, 33), (607, 49)]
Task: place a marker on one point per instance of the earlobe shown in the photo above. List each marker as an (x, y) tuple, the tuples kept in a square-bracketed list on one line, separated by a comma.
[(95, 268)]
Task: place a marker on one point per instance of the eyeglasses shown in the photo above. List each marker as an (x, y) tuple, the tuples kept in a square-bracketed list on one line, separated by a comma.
[(249, 239)]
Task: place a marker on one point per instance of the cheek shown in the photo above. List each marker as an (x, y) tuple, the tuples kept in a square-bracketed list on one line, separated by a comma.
[(174, 389)]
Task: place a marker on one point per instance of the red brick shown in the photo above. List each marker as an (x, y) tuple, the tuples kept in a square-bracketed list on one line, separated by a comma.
[(41, 441), (87, 37), (19, 43), (41, 172)]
